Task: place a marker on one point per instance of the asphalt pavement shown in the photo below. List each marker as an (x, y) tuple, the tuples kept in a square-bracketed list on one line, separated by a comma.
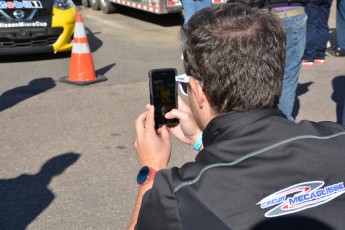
[(67, 154)]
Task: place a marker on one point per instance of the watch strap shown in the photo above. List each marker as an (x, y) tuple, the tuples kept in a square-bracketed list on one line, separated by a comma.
[(198, 143)]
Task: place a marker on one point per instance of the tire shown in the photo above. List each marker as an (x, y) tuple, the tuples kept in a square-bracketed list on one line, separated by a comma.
[(95, 4), (85, 3), (107, 7)]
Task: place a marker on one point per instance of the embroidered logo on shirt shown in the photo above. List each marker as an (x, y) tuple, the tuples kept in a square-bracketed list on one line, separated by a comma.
[(299, 197)]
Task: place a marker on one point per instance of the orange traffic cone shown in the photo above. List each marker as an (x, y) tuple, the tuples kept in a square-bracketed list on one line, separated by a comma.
[(82, 71)]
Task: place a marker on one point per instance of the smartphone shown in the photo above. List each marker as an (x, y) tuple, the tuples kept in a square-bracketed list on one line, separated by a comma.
[(163, 94)]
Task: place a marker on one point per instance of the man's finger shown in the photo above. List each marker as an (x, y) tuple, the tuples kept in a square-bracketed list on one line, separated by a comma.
[(150, 119), (174, 113), (140, 123), (165, 133)]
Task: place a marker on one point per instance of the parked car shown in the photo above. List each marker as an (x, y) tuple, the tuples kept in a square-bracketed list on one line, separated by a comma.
[(36, 26)]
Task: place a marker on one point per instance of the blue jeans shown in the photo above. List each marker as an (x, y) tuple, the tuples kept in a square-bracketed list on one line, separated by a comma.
[(296, 37), (189, 8), (317, 29), (340, 24), (192, 6)]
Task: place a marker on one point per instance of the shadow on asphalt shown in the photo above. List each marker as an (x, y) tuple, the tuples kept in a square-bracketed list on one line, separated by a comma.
[(94, 42), (301, 89), (16, 95), (338, 97), (23, 198), (104, 70)]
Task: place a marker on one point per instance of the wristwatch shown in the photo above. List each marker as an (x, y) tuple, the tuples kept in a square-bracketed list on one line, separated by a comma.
[(145, 175)]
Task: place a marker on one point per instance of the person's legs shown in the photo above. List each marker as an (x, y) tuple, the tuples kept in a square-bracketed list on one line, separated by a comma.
[(189, 8), (323, 29), (339, 49), (340, 24), (201, 4), (296, 37), (312, 10)]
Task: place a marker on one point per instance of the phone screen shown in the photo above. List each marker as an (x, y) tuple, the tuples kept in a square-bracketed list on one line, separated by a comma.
[(163, 95)]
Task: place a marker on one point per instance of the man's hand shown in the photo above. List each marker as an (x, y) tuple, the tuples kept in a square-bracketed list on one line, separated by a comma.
[(153, 146), (187, 130)]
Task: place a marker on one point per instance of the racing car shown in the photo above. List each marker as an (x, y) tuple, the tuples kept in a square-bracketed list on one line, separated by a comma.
[(36, 26)]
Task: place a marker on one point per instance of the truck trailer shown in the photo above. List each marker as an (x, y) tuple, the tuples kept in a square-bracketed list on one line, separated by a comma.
[(153, 6)]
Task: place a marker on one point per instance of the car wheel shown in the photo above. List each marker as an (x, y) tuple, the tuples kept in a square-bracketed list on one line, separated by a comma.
[(107, 7), (95, 4), (85, 3)]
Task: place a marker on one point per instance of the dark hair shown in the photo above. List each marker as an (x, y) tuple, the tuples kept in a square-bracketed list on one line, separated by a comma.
[(238, 53)]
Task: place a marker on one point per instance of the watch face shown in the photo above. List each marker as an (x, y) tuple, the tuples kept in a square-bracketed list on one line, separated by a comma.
[(143, 175)]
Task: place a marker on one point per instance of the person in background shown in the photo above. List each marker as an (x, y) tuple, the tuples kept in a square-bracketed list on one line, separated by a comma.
[(339, 49), (293, 17), (317, 32), (254, 168), (189, 8)]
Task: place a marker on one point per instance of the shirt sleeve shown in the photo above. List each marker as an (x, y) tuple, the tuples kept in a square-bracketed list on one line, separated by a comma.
[(159, 205)]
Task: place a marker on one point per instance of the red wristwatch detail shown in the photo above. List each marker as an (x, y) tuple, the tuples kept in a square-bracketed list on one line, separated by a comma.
[(152, 175)]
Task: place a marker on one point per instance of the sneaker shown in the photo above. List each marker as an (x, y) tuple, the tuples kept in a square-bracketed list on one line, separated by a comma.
[(307, 63), (319, 61), (335, 52)]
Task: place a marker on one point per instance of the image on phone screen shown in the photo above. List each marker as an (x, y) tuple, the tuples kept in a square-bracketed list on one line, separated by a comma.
[(163, 95)]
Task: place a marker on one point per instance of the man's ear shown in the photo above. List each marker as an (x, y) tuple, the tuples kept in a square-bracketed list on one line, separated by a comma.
[(198, 92)]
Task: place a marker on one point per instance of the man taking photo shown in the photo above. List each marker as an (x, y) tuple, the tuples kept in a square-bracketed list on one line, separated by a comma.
[(256, 169)]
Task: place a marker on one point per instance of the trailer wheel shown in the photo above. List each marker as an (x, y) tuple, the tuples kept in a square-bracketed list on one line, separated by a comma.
[(107, 7), (95, 4), (85, 3)]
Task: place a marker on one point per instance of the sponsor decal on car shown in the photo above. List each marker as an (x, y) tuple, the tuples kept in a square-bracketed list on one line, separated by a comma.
[(23, 24), (21, 5), (299, 197)]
